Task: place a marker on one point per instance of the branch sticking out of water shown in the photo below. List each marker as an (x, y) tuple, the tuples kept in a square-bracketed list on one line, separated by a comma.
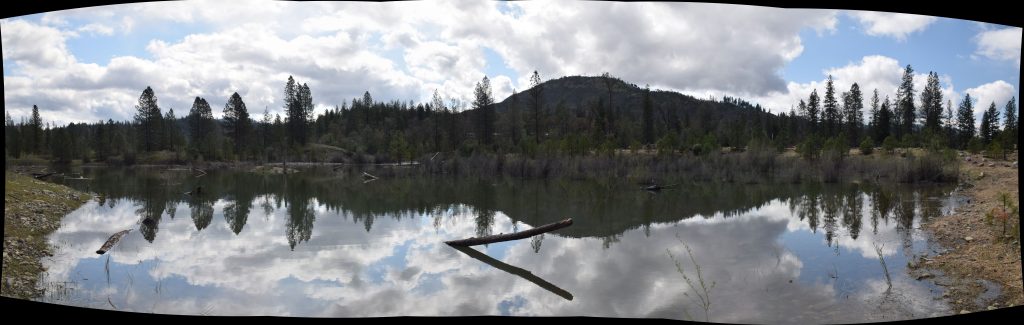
[(888, 280), (703, 295)]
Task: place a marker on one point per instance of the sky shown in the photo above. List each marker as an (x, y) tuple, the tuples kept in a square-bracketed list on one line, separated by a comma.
[(91, 64)]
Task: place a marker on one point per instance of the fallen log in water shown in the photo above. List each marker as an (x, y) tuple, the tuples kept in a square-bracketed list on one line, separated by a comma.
[(515, 270), (512, 236), (113, 240), (659, 187)]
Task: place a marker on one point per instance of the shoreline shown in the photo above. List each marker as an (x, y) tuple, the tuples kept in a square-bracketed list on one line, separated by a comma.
[(754, 166), (974, 249), (32, 210)]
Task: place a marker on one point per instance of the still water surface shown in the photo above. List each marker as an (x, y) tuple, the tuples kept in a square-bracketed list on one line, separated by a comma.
[(325, 244)]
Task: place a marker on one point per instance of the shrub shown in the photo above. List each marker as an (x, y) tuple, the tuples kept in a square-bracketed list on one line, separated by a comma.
[(867, 146), (974, 146), (889, 144)]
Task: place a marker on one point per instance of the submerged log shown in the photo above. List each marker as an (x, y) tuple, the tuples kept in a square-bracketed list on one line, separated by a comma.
[(113, 240), (529, 276), (512, 236)]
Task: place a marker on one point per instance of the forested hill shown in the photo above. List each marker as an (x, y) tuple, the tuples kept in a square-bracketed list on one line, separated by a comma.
[(587, 98)]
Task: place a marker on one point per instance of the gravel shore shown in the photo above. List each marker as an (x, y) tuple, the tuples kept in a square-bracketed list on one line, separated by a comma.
[(32, 209)]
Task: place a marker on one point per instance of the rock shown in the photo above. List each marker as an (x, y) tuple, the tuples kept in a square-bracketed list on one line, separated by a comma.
[(968, 158), (964, 311), (991, 307), (924, 276), (968, 238)]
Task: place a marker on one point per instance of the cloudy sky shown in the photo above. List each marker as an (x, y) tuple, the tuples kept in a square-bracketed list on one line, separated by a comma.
[(92, 63)]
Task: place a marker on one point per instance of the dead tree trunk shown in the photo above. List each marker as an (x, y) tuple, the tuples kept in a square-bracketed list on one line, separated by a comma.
[(113, 240), (512, 236)]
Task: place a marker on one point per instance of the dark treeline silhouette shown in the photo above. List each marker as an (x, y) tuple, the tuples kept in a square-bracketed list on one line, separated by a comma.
[(566, 117), (600, 209)]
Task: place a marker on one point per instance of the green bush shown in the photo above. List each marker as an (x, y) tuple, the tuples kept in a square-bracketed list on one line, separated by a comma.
[(809, 148), (974, 146), (889, 144), (996, 150), (667, 144), (867, 146)]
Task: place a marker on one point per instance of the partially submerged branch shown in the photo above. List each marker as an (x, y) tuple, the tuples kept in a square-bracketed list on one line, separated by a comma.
[(515, 270), (511, 236), (881, 259), (112, 240)]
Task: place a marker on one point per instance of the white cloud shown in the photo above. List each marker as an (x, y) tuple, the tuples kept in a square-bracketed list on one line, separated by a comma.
[(998, 92), (343, 49), (97, 29), (894, 25), (1000, 44), (870, 73), (34, 46)]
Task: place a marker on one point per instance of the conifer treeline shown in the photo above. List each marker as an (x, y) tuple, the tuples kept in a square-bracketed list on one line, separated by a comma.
[(527, 123)]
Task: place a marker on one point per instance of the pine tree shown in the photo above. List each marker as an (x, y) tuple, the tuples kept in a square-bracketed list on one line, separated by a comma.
[(812, 110), (201, 127), (35, 138), (293, 112), (948, 123), (174, 137), (536, 92), (831, 117), (989, 124), (648, 117), (1010, 121), (853, 106), (147, 119), (965, 120), (237, 124), (873, 122), (883, 129), (12, 139), (437, 105), (483, 104), (905, 103), (931, 104)]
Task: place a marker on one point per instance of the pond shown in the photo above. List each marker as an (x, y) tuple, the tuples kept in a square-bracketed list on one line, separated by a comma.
[(324, 244)]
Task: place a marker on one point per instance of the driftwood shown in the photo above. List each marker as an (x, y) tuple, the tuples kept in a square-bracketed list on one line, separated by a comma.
[(657, 187), (113, 240), (42, 175), (197, 191), (515, 270), (512, 236), (367, 175)]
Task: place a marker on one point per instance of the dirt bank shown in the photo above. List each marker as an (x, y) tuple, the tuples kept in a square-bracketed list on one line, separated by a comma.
[(977, 247), (32, 209)]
